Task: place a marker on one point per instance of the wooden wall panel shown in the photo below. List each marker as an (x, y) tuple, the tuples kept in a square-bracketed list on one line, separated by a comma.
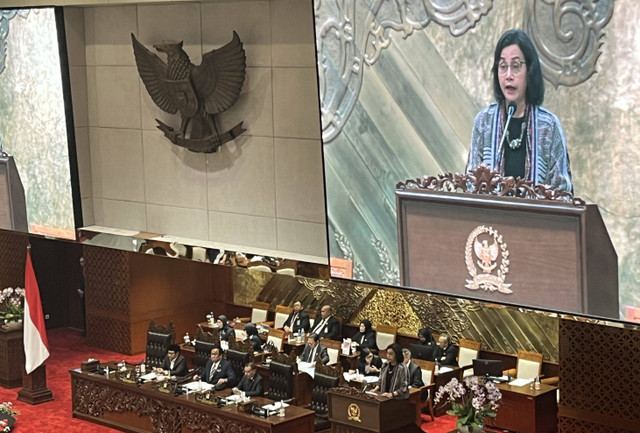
[(125, 290), (599, 378)]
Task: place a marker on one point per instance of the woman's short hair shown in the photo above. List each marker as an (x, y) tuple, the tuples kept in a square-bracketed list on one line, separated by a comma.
[(397, 349), (535, 84)]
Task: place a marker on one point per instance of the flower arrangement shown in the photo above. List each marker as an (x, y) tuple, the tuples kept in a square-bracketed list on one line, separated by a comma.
[(7, 415), (11, 304), (471, 401)]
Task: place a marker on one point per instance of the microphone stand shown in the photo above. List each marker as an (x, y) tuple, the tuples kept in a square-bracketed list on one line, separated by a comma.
[(511, 111)]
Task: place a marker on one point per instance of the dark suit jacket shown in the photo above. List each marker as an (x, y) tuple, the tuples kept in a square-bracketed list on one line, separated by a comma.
[(330, 330), (321, 353), (253, 386), (302, 321), (226, 333), (224, 371), (369, 340), (446, 356), (415, 375), (179, 366)]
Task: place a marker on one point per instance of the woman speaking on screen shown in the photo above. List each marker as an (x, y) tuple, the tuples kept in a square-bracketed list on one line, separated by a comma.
[(516, 135)]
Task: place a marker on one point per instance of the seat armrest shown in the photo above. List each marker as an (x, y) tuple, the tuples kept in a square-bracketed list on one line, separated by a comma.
[(244, 320), (425, 390), (511, 372), (550, 380), (268, 323)]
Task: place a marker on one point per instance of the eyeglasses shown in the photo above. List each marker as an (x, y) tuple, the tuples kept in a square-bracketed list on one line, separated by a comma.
[(516, 67)]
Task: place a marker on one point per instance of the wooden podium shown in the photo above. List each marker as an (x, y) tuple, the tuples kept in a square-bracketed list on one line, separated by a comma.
[(538, 253), (352, 411), (13, 209)]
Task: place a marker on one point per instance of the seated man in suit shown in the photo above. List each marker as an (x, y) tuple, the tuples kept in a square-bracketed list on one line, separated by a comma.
[(327, 326), (415, 373), (173, 364), (446, 352), (251, 383), (314, 350), (297, 320), (218, 371)]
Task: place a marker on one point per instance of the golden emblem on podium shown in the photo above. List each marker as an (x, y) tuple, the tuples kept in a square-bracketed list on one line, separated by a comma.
[(489, 248), (353, 412)]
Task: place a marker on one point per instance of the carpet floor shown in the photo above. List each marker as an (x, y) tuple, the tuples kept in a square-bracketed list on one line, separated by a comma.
[(68, 350)]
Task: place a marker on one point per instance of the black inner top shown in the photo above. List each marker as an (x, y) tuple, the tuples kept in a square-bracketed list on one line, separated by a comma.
[(514, 159)]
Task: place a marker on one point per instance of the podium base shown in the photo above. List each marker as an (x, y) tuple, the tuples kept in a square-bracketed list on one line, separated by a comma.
[(34, 387)]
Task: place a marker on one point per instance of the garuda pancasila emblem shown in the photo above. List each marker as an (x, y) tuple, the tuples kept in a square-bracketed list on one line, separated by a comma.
[(198, 92), (488, 251)]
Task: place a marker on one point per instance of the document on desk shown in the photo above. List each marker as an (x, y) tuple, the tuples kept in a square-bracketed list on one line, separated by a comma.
[(307, 367), (445, 370), (275, 406), (149, 376), (520, 382), (197, 386)]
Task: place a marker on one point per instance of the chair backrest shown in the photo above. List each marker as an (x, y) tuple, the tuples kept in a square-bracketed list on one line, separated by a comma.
[(159, 338), (280, 381), (238, 360), (282, 313), (276, 337), (259, 311), (212, 336), (202, 353), (468, 350), (427, 368), (333, 349), (321, 384), (385, 335), (529, 365), (312, 317), (288, 267)]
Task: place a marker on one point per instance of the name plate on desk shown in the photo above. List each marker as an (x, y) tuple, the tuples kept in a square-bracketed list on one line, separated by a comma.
[(167, 386), (129, 376), (209, 398)]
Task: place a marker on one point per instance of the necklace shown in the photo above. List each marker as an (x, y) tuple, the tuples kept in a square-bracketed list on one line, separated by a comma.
[(516, 142)]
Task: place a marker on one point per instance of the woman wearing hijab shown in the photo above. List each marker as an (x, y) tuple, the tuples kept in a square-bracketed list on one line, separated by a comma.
[(366, 336), (224, 329), (252, 335)]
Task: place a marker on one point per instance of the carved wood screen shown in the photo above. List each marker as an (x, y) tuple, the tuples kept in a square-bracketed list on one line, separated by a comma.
[(599, 378)]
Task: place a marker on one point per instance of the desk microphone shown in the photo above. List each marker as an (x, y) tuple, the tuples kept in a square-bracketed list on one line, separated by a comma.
[(511, 110)]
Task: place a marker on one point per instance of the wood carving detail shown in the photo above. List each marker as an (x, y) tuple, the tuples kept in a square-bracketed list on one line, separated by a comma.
[(199, 421), (485, 181)]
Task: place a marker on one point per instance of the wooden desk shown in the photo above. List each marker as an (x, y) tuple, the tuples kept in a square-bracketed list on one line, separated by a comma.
[(142, 409), (11, 357), (527, 410), (297, 347)]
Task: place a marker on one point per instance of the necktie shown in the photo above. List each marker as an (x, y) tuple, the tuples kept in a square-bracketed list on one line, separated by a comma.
[(312, 356), (214, 367), (319, 327)]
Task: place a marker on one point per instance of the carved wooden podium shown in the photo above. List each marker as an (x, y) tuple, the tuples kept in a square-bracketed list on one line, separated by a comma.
[(13, 210), (352, 411), (541, 253)]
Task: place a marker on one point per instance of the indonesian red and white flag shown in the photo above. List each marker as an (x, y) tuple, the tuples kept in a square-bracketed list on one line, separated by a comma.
[(35, 335)]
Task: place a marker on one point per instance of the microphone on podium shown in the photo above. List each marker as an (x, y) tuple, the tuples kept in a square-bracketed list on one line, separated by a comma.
[(511, 110)]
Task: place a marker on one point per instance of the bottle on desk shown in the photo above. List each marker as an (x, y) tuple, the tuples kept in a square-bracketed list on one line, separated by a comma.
[(537, 383), (281, 411)]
